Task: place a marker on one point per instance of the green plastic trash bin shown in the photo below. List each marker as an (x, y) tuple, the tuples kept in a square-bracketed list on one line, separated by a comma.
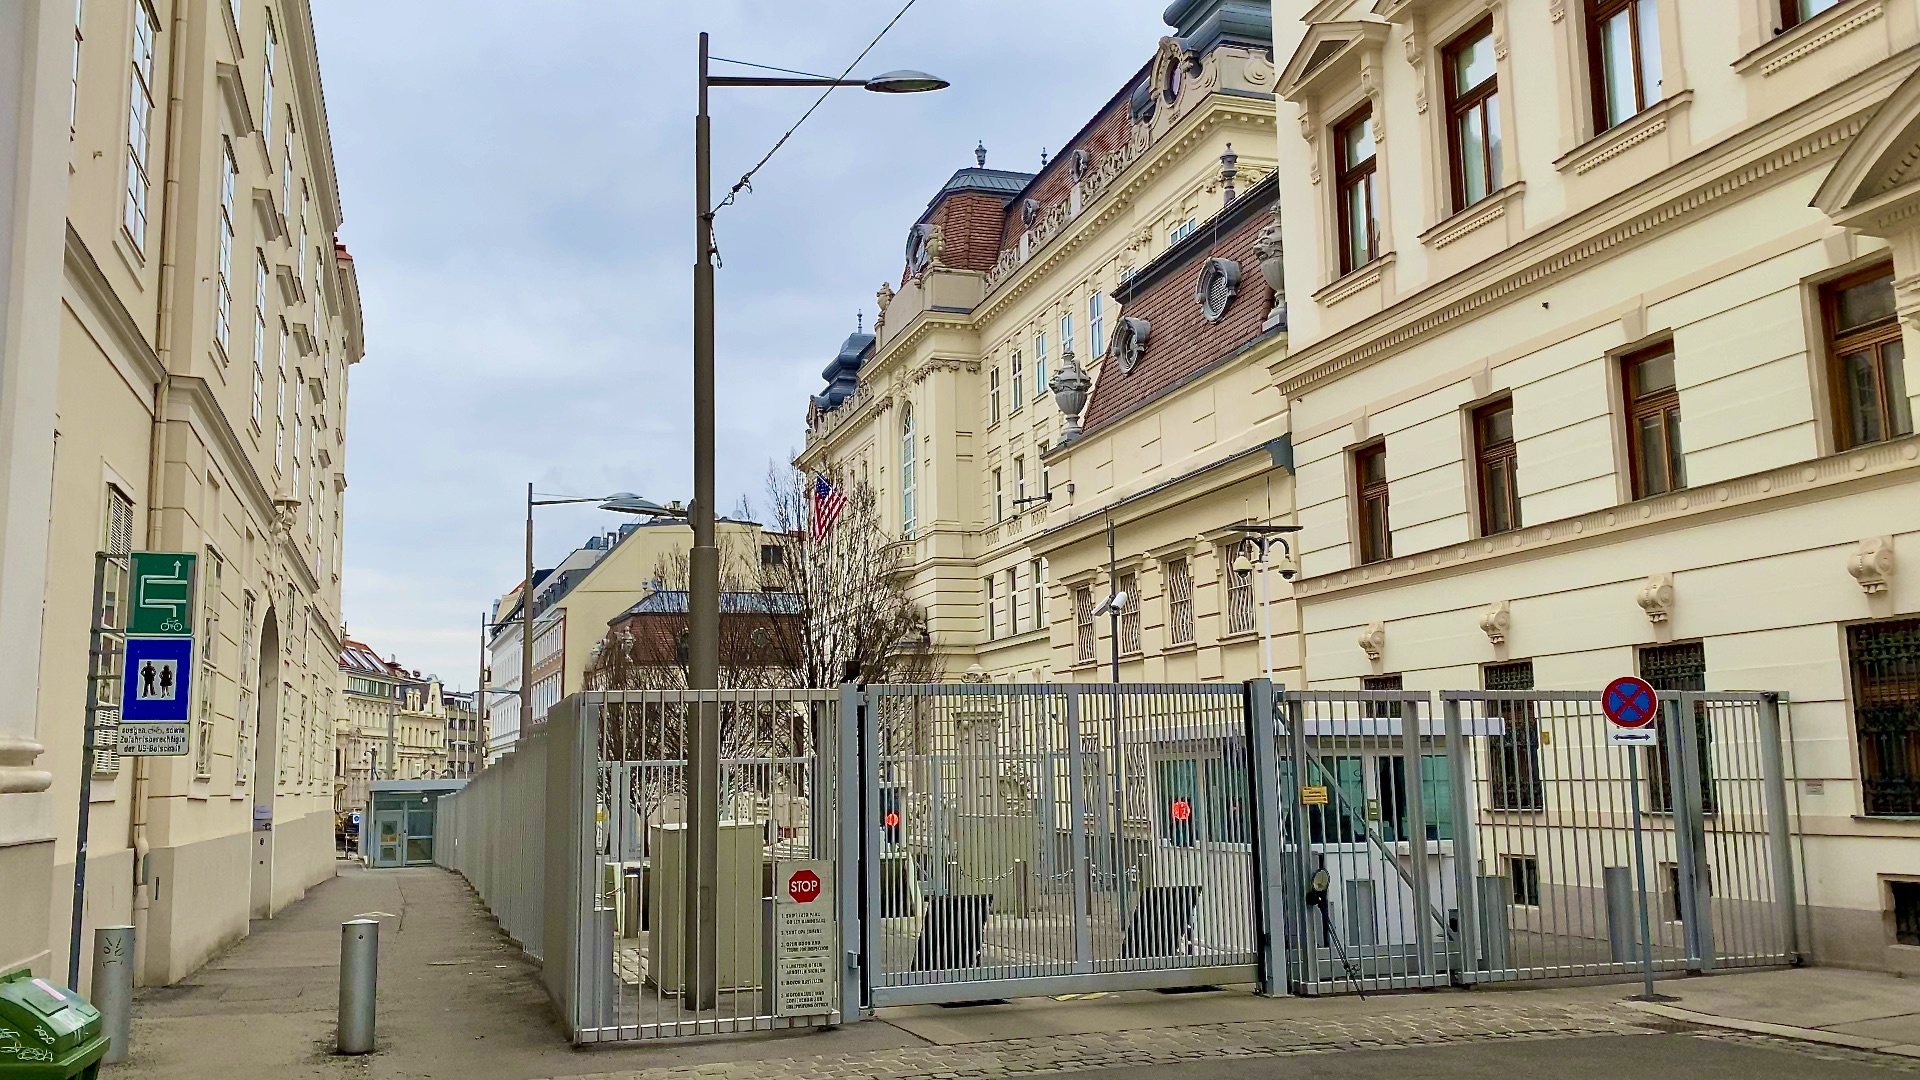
[(47, 1032)]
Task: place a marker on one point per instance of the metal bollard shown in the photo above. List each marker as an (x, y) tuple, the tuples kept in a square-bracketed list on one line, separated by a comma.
[(112, 991), (359, 969)]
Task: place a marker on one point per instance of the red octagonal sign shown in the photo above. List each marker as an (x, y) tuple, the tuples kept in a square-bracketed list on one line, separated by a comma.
[(804, 887)]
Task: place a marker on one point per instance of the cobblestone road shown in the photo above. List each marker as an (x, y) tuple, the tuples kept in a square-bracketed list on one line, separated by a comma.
[(1469, 1022)]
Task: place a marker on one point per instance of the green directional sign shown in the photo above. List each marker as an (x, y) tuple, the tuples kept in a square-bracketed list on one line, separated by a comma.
[(161, 594)]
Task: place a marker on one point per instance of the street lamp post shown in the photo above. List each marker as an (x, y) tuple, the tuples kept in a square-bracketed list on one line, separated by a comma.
[(1262, 538), (622, 502), (700, 969)]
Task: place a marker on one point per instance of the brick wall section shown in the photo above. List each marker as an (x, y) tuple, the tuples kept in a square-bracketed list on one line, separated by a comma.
[(1182, 341), (1054, 185)]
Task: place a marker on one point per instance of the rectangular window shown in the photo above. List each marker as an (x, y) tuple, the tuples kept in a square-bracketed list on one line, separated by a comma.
[(1182, 230), (73, 99), (1083, 625), (1473, 115), (243, 712), (1038, 572), (1370, 480), (1670, 898), (1623, 49), (1680, 668), (1240, 612), (1013, 599), (1866, 359), (1653, 423), (993, 395), (1040, 362), (1498, 463), (1906, 911), (1019, 482), (1523, 874), (266, 82), (993, 609), (1066, 332), (1795, 12), (1355, 169), (1096, 327), (1130, 615), (139, 123), (116, 539), (223, 280), (1885, 658), (1513, 770), (286, 170), (1018, 384), (1179, 602), (259, 336), (999, 498)]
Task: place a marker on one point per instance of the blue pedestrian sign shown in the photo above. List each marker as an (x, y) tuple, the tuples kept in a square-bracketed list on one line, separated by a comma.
[(158, 683), (1632, 708)]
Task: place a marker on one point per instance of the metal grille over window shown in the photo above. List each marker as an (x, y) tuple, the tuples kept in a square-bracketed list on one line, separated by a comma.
[(1886, 714), (1083, 625), (1514, 768), (1180, 602), (1130, 615), (1680, 667)]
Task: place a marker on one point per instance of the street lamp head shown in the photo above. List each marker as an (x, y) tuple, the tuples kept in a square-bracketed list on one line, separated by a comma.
[(626, 502), (906, 82)]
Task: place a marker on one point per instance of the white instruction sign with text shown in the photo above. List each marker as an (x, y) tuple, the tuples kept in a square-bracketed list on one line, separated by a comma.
[(804, 933)]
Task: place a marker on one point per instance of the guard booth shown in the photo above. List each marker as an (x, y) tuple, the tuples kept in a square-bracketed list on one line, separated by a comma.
[(402, 821)]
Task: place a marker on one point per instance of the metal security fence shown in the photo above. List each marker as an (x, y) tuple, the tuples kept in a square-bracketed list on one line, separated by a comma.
[(1055, 838), (776, 804), (978, 841), (1549, 836)]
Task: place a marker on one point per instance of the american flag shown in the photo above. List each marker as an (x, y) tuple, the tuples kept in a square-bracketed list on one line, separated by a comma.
[(828, 501)]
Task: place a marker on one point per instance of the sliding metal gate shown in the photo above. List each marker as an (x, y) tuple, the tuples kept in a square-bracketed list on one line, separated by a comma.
[(1054, 838)]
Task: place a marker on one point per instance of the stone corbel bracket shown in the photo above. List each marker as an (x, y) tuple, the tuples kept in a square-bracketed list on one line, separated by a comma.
[(17, 774), (1872, 564), (1656, 598), (1495, 621), (1373, 640)]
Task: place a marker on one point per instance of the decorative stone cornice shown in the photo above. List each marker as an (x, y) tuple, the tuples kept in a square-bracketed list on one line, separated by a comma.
[(1654, 121), (1881, 463), (1530, 265), (919, 374)]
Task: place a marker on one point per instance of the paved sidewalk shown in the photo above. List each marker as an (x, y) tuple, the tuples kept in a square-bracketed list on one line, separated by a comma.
[(457, 1000), (1859, 1009)]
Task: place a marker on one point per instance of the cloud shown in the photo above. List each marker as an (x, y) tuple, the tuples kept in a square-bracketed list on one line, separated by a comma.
[(517, 181)]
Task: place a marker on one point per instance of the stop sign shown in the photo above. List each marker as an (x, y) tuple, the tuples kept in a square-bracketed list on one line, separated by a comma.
[(804, 887)]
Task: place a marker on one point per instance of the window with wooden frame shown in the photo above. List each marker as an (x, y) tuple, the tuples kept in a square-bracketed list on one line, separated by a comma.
[(1496, 464), (1623, 55), (1356, 169), (1866, 359), (1370, 482), (1473, 115), (1179, 576), (1795, 12), (1083, 625), (1653, 422), (1130, 615)]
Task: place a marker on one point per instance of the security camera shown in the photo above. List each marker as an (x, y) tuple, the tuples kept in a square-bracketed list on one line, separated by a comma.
[(1116, 602), (1242, 565)]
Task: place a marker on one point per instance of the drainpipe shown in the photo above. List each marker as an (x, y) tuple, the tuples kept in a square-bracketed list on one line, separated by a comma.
[(156, 447)]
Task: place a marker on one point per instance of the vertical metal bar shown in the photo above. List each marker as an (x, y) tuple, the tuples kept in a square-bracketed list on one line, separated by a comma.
[(1307, 964), (1077, 823), (87, 742), (1779, 828), (1640, 875), (870, 830), (1411, 802), (1270, 892), (1690, 833), (850, 882), (1465, 857)]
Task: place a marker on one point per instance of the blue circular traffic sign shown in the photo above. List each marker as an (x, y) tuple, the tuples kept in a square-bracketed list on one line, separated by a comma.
[(1630, 702)]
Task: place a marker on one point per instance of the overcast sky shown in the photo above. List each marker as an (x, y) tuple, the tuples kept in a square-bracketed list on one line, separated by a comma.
[(518, 190)]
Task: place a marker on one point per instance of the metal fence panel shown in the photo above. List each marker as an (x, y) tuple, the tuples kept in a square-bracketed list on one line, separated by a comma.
[(1031, 839), (642, 978)]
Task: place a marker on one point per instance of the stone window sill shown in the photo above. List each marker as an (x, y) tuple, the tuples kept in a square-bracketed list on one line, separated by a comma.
[(1353, 281), (1810, 37), (1485, 212), (1624, 136)]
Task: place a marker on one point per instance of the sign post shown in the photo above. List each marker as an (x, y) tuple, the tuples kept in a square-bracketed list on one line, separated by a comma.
[(1631, 707), (803, 933)]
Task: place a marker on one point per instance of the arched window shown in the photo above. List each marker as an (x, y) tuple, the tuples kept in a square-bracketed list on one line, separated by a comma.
[(907, 493)]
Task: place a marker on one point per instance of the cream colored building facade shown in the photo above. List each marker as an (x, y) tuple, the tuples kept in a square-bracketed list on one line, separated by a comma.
[(179, 325), (394, 724), (946, 411), (1625, 390), (573, 604)]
